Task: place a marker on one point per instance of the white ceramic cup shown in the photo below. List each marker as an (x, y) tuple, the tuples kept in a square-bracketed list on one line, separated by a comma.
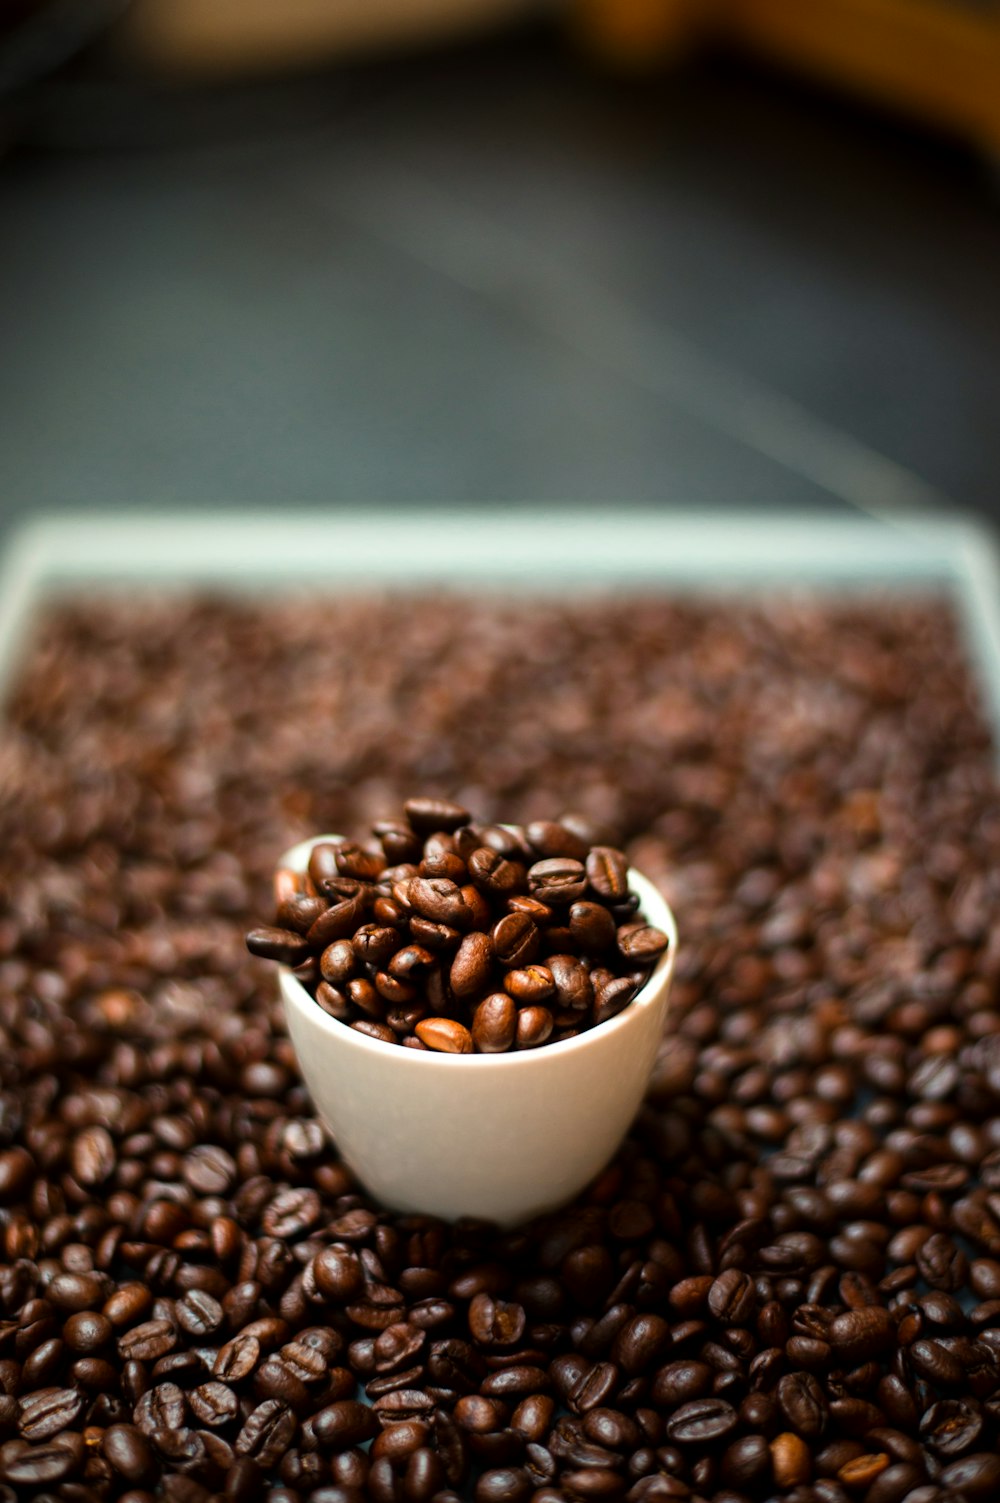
[(503, 1137)]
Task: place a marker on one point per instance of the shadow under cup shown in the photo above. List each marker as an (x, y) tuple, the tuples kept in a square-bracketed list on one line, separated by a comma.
[(501, 1137)]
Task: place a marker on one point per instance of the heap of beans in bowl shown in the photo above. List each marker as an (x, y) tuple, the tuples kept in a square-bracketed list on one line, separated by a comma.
[(449, 935)]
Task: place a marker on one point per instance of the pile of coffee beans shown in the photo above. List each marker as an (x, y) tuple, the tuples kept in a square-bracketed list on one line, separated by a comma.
[(785, 1286), (464, 938)]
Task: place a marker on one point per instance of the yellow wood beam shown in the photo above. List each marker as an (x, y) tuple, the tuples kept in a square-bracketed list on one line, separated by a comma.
[(940, 61), (937, 59)]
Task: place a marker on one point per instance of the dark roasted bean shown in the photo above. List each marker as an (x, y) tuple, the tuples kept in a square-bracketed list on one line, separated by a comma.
[(471, 967), (701, 1421), (237, 1359), (641, 1343), (592, 927), (92, 1157), (641, 944), (732, 1297), (76, 1291), (516, 939), (338, 1274), (146, 1342), (558, 880), (952, 1426), (975, 1477), (534, 1027), (428, 815), (444, 1035), (87, 1332), (47, 1411), (494, 1024), (284, 945), (607, 872), (803, 1403), (860, 1334), (129, 1453), (161, 1408)]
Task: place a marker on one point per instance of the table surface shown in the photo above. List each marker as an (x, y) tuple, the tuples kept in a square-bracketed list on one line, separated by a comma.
[(486, 274)]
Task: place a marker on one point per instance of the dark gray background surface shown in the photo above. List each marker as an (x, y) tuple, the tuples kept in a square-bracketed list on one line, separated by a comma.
[(491, 274)]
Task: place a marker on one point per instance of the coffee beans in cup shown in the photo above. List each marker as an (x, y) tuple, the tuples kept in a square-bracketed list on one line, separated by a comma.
[(447, 934)]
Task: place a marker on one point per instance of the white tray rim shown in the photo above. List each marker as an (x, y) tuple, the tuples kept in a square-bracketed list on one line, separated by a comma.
[(548, 547)]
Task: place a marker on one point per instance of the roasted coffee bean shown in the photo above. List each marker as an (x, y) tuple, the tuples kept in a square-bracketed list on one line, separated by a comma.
[(209, 1170), (516, 1382), (471, 967), (534, 1027), (803, 1403), (494, 1024), (266, 1434), (17, 1171), (679, 1382), (237, 1358), (607, 872), (557, 881), (444, 1035), (531, 986), (398, 840), (339, 921), (198, 1313), (338, 1274), (592, 927), (286, 946), (952, 1426), (516, 939), (334, 1002), (92, 1157), (701, 1421), (345, 1424), (550, 837), (87, 1332), (399, 1442), (941, 1263), (161, 1408), (322, 862), (732, 1297), (641, 1343), (428, 815), (371, 944), (47, 1411), (33, 1467), (129, 1453), (746, 1463), (495, 874), (213, 1403), (338, 962), (613, 996), (574, 990), (791, 1464), (495, 1322), (859, 1335), (298, 911), (975, 1477), (354, 861), (76, 1291), (933, 1361)]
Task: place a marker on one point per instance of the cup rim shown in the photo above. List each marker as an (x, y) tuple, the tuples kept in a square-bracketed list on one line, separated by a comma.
[(656, 983)]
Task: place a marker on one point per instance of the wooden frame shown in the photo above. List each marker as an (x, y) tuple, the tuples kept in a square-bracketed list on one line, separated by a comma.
[(938, 60)]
